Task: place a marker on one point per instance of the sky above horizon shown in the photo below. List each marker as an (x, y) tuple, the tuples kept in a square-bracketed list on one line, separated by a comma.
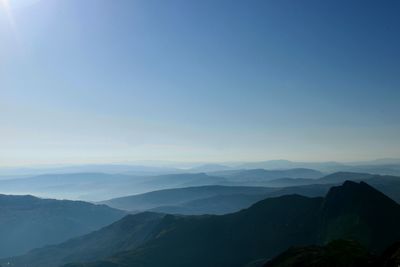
[(212, 80)]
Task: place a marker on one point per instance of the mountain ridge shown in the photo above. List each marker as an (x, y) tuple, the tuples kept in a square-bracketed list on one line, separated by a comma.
[(261, 231)]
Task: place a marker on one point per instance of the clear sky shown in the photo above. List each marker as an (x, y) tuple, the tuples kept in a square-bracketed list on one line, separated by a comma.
[(206, 80)]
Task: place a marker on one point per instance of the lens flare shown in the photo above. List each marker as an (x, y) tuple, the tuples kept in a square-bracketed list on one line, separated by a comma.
[(7, 9), (6, 6)]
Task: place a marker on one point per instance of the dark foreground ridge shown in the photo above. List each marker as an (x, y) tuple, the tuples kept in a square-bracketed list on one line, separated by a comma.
[(337, 253)]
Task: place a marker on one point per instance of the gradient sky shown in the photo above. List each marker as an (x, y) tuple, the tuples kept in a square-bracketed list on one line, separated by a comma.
[(207, 80)]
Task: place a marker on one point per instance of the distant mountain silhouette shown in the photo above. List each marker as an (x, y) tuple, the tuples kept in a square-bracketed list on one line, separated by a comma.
[(100, 186), (87, 186), (287, 164), (340, 177), (210, 168), (390, 185), (219, 204), (227, 199), (89, 168), (334, 178), (262, 175), (180, 180), (380, 166), (27, 222), (180, 196), (284, 182), (260, 232)]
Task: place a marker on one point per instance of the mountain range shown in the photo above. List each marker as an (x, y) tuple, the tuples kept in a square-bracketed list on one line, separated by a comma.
[(227, 199), (97, 186), (100, 186), (353, 211)]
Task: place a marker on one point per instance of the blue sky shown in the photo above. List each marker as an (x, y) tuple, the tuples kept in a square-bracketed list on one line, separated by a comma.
[(211, 80)]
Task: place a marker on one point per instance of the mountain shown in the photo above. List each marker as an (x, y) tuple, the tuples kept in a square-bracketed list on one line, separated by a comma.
[(100, 186), (359, 212), (390, 185), (340, 177), (380, 166), (381, 161), (383, 169), (83, 186), (227, 199), (89, 168), (209, 168), (219, 204), (27, 222), (390, 257), (179, 196), (333, 178), (286, 164), (261, 175), (211, 240), (336, 253), (228, 203), (284, 182), (260, 232), (180, 180), (125, 234)]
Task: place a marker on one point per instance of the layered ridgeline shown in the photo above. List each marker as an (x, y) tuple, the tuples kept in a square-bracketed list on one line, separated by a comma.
[(100, 186), (92, 186), (215, 199), (380, 166), (219, 199), (208, 199), (352, 211), (27, 222), (263, 175)]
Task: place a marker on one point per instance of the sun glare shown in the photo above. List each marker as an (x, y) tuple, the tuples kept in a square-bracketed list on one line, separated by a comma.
[(7, 8)]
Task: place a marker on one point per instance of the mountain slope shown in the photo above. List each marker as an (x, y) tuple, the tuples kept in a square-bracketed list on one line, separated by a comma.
[(125, 234), (261, 231), (200, 240), (226, 199), (270, 225), (178, 196), (390, 185), (219, 204), (390, 257), (27, 222), (336, 253), (359, 212)]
